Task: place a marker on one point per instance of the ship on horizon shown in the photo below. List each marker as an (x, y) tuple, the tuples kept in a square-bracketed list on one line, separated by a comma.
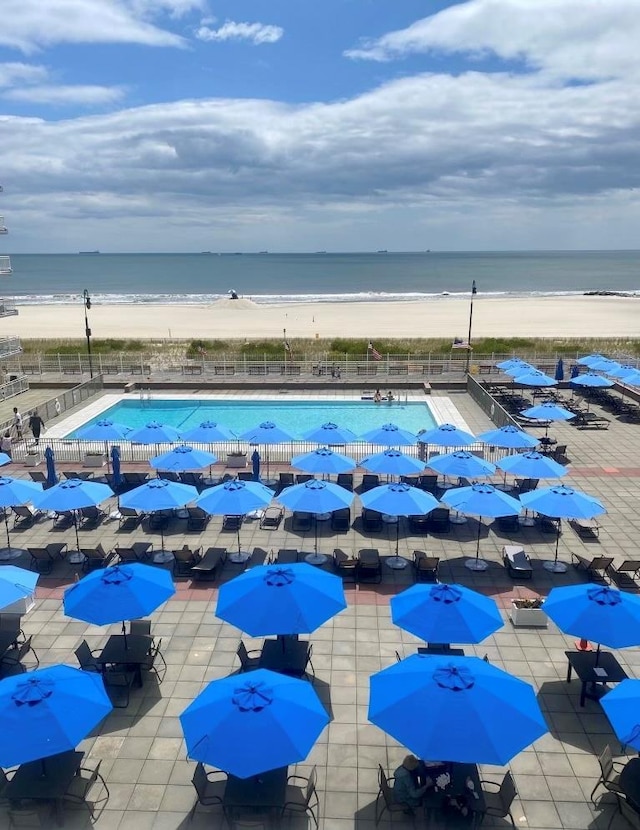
[(87, 253)]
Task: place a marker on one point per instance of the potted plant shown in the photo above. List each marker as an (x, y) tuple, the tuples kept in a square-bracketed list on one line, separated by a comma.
[(94, 459), (528, 612), (236, 458), (32, 458)]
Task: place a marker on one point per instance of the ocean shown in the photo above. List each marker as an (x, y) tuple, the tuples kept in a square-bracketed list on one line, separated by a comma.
[(320, 277)]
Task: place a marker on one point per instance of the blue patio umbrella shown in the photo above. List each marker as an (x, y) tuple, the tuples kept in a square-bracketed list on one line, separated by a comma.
[(323, 460), (235, 498), (531, 465), (446, 613), (535, 378), (548, 411), (596, 612), (5, 459), (15, 492), (512, 363), (115, 462), (447, 435), (52, 475), (624, 371), (104, 430), (632, 380), (622, 707), (118, 593), (159, 494), (268, 434), (315, 497), (72, 495), (509, 437), (398, 499), (559, 375), (330, 433), (605, 365), (251, 723), (277, 599), (183, 458), (154, 433), (48, 711), (481, 500), (462, 464), (519, 368), (477, 712), (560, 502), (16, 584), (389, 435), (392, 462), (592, 380), (255, 465), (208, 432), (588, 359)]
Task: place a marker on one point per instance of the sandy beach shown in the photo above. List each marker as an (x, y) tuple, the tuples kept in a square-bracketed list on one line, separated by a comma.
[(553, 317)]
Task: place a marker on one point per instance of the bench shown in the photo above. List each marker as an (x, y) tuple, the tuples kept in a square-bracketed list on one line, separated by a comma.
[(71, 370), (258, 370), (224, 370), (428, 369), (367, 370), (140, 369), (398, 370), (486, 369), (290, 370), (191, 369), (318, 371), (517, 562), (110, 369)]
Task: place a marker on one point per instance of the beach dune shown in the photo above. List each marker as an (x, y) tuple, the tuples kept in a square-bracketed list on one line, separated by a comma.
[(550, 317)]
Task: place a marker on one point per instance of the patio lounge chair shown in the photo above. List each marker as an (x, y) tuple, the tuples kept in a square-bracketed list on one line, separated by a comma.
[(231, 522), (286, 556), (197, 519), (129, 518), (302, 478), (371, 520), (167, 475), (138, 552), (96, 557), (43, 559), (428, 483), (193, 479), (207, 566), (630, 568), (508, 524), (586, 528), (425, 567), (159, 519), (516, 561), (369, 565), (271, 518), (341, 520), (26, 515), (369, 481), (597, 567), (418, 524), (91, 517), (285, 480), (344, 565), (439, 520), (301, 521), (345, 480), (184, 559), (39, 478), (83, 475)]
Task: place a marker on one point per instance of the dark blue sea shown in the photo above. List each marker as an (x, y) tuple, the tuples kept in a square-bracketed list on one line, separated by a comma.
[(322, 277)]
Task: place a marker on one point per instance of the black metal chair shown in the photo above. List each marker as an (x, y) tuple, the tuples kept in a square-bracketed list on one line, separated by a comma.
[(81, 785), (609, 773), (87, 659), (498, 803), (302, 798), (210, 787), (425, 566), (249, 660)]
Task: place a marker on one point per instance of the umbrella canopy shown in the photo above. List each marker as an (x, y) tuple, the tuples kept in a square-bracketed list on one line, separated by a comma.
[(158, 494), (48, 711), (512, 363), (632, 380), (183, 458), (234, 498), (399, 499), (330, 433), (447, 435), (563, 503), (5, 459), (116, 593), (207, 432), (587, 360), (623, 371), (531, 465), (251, 723), (446, 613), (592, 381), (15, 492), (461, 463), (266, 433), (604, 365), (535, 378), (509, 437), (103, 430), (477, 712), (52, 475), (115, 466), (315, 497), (596, 612), (548, 411), (72, 494), (519, 368), (392, 462), (271, 599), (559, 374), (390, 435), (154, 433), (482, 500), (16, 584), (622, 705), (323, 460)]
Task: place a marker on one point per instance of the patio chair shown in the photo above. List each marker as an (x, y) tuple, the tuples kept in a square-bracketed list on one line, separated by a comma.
[(385, 799), (141, 628), (91, 517), (371, 520), (301, 521), (627, 811), (168, 475), (87, 659), (345, 565), (285, 556), (11, 623), (586, 528), (508, 524), (439, 520), (271, 518), (285, 480), (155, 662), (231, 522), (138, 552), (207, 566), (369, 565), (43, 559), (345, 480), (26, 515), (249, 660), (24, 815), (428, 483), (609, 773), (209, 787), (418, 524), (193, 479), (302, 478), (595, 568), (341, 520), (96, 557), (117, 683), (517, 562), (159, 519), (498, 803), (369, 481), (197, 518), (13, 657), (302, 798), (129, 518), (81, 785), (184, 559), (425, 567), (83, 475)]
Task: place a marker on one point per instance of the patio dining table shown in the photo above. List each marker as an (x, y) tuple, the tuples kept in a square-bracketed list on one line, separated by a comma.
[(45, 780), (132, 650), (265, 791), (286, 655), (461, 776), (592, 676)]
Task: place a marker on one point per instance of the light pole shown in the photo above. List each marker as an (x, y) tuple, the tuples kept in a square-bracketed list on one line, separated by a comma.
[(473, 294), (87, 305)]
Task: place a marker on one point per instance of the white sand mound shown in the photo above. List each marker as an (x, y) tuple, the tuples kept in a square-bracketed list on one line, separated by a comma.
[(240, 304)]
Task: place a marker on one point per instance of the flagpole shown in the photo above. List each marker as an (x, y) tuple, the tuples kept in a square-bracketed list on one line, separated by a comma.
[(284, 333), (473, 294)]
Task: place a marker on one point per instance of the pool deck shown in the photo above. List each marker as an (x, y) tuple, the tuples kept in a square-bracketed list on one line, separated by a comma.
[(141, 747)]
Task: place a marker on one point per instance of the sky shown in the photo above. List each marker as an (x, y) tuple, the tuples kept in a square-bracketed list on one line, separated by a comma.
[(341, 125)]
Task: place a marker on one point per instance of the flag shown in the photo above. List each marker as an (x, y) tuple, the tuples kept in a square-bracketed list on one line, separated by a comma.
[(375, 354), (287, 346)]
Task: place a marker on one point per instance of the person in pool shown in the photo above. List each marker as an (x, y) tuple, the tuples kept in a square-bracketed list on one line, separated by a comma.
[(377, 397)]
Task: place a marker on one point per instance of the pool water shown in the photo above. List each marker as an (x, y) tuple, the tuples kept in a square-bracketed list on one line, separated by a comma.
[(296, 417)]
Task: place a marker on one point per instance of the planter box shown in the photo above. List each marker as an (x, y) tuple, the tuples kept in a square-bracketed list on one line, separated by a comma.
[(32, 460), (20, 606), (237, 460), (94, 460), (528, 617)]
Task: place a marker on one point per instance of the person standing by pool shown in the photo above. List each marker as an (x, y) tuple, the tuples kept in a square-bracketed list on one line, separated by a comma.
[(17, 422), (36, 425)]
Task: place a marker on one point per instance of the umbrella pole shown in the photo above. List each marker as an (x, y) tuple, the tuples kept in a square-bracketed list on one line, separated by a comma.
[(106, 452), (75, 524), (315, 528), (397, 537), (478, 537), (238, 534), (6, 524)]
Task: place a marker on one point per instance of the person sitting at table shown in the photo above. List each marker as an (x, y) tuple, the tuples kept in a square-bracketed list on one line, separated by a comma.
[(405, 791), (377, 397), (390, 396)]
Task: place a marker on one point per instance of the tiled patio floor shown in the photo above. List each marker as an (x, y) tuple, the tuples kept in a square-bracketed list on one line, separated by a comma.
[(141, 748)]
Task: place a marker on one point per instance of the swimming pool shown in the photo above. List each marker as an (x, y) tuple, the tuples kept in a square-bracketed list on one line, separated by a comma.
[(294, 416)]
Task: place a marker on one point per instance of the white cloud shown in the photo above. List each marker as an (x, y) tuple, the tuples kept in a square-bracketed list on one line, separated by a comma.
[(65, 95), (32, 24), (568, 38), (13, 73), (256, 33)]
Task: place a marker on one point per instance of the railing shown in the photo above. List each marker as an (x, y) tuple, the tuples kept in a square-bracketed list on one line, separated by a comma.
[(10, 346), (7, 308), (14, 387), (488, 404)]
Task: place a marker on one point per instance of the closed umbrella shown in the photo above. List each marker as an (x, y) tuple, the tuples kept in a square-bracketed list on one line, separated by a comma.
[(398, 499), (15, 492), (52, 475), (255, 465), (509, 437), (389, 435), (575, 371), (115, 461), (561, 502), (253, 722), (481, 500), (208, 432), (16, 584), (559, 375), (478, 713), (392, 462), (317, 497), (330, 433), (446, 613)]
